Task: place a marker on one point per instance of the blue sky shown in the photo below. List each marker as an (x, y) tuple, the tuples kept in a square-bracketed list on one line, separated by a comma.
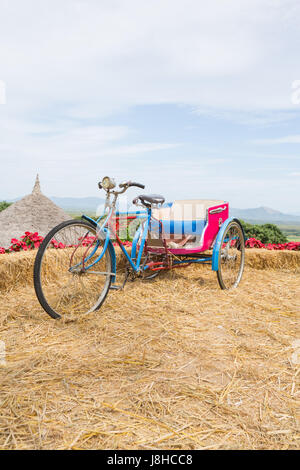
[(193, 99)]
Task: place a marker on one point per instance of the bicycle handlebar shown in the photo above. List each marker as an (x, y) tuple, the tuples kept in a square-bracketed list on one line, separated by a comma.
[(108, 184), (130, 183), (138, 185)]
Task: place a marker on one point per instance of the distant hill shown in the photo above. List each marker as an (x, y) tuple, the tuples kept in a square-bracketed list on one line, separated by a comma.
[(264, 215), (258, 215)]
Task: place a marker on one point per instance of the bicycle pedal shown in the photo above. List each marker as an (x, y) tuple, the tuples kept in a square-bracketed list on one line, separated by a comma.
[(116, 287)]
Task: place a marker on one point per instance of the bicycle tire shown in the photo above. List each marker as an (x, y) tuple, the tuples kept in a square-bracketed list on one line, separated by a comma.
[(42, 295), (226, 261)]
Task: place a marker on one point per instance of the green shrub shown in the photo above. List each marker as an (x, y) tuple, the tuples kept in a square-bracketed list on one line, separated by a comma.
[(266, 233), (4, 205)]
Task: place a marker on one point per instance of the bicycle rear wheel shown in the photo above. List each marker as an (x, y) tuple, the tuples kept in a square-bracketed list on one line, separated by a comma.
[(66, 281), (231, 257)]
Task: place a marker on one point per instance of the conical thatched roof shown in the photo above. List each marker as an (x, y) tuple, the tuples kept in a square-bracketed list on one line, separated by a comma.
[(33, 213)]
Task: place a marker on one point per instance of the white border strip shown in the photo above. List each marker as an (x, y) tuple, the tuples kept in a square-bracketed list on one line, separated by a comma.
[(2, 92)]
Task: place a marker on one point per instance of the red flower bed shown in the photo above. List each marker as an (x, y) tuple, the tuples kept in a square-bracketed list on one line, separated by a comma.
[(30, 240), (253, 243)]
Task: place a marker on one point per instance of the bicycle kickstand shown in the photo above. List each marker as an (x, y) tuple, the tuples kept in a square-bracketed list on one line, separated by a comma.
[(114, 287)]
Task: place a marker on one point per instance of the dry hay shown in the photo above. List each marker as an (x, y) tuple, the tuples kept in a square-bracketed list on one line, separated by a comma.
[(174, 363), (17, 268), (258, 258)]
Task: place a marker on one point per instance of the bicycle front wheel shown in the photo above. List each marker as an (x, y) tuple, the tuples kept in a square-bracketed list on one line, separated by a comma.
[(68, 279)]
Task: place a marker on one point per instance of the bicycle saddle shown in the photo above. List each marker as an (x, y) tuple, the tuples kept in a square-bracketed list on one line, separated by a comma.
[(148, 199)]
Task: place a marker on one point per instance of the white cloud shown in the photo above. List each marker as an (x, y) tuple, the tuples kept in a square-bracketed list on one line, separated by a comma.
[(137, 148), (289, 139), (250, 118), (98, 56), (70, 160), (67, 64)]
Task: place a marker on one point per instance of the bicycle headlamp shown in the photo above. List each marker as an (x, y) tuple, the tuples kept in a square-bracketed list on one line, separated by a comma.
[(108, 183)]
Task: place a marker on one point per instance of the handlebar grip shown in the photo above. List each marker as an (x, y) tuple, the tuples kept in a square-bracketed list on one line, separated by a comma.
[(142, 186)]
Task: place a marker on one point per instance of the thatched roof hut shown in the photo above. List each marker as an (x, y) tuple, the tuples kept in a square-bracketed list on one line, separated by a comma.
[(33, 213)]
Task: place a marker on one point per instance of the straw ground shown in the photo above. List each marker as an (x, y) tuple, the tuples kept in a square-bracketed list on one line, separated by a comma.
[(173, 363)]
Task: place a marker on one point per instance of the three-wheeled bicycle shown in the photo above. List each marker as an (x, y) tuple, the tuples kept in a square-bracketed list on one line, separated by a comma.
[(75, 266)]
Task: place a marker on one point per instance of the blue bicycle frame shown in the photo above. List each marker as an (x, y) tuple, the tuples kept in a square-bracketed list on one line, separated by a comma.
[(103, 232), (134, 258)]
